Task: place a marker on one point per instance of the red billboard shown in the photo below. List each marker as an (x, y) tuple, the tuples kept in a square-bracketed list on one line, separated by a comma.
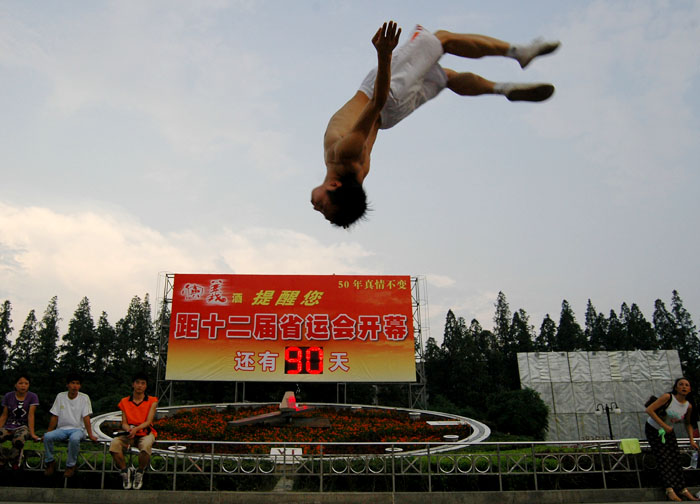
[(333, 328)]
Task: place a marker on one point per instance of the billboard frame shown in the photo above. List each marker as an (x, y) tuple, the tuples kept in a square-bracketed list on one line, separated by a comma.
[(417, 396)]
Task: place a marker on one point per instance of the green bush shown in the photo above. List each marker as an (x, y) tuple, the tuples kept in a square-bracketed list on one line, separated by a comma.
[(519, 412), (442, 404)]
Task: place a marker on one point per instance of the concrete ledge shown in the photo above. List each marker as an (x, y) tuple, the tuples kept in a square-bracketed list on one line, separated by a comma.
[(63, 495)]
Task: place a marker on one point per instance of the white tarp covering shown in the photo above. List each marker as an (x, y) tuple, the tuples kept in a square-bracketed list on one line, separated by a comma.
[(580, 367), (559, 367), (575, 384), (600, 365), (584, 401)]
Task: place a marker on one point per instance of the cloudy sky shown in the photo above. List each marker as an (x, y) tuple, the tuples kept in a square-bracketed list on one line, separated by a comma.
[(143, 137)]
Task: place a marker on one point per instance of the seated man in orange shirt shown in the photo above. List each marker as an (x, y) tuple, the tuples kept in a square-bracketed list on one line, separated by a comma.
[(138, 412)]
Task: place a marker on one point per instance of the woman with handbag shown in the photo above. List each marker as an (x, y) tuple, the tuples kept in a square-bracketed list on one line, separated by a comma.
[(671, 408)]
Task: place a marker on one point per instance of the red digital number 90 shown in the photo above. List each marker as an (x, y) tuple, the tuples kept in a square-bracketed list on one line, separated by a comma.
[(303, 360)]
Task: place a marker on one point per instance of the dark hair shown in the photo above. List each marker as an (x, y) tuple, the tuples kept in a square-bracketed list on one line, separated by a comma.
[(21, 374), (73, 376), (675, 384), (139, 375), (350, 201)]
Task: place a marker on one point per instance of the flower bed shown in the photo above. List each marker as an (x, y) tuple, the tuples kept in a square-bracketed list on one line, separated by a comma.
[(346, 425)]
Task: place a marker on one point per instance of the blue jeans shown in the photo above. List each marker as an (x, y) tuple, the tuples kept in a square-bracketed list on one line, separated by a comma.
[(74, 437)]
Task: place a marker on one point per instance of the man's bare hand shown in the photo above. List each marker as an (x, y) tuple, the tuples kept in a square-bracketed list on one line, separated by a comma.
[(386, 38)]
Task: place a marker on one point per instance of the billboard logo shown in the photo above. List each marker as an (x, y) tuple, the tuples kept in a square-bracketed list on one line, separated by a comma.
[(216, 292), (192, 292)]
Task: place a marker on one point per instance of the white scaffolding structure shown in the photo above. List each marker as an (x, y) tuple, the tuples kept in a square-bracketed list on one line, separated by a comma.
[(575, 384)]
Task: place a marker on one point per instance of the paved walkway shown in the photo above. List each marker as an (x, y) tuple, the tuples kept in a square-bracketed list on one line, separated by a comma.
[(90, 496)]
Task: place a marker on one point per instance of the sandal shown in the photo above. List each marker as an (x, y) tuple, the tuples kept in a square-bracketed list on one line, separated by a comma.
[(671, 495), (689, 496)]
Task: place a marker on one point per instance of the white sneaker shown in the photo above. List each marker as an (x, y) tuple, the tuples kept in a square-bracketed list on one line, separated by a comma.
[(538, 47), (126, 479), (138, 480), (533, 92)]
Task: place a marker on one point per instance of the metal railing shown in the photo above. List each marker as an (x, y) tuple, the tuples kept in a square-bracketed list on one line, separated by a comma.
[(422, 466)]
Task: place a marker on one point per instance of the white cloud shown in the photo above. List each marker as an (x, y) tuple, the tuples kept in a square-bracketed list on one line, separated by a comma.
[(440, 280), (110, 258), (173, 69)]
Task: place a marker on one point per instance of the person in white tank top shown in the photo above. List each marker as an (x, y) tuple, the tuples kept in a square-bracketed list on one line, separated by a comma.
[(669, 409)]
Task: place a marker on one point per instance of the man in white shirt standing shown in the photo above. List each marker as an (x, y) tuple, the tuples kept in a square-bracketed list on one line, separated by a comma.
[(70, 420)]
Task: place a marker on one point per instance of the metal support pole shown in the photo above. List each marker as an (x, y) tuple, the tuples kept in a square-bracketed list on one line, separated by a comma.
[(321, 470), (607, 408)]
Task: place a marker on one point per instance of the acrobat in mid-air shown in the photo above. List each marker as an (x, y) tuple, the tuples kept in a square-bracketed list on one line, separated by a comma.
[(399, 84)]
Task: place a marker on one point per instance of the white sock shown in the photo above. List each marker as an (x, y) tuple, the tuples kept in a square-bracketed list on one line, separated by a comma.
[(501, 87), (525, 53)]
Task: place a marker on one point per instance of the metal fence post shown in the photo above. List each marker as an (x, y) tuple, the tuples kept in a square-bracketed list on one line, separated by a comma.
[(534, 465), (498, 461), (430, 470), (393, 471), (321, 470), (602, 466), (211, 469), (177, 454), (104, 462)]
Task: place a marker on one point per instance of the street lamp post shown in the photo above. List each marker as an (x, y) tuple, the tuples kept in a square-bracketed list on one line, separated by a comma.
[(608, 408)]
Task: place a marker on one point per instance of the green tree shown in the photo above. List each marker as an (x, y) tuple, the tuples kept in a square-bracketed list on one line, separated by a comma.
[(432, 350), (687, 332), (485, 367), (569, 336), (458, 372), (686, 336), (639, 333), (80, 342), (434, 371), (445, 369), (453, 336), (501, 325), (25, 347), (5, 334), (105, 336), (596, 331), (522, 332), (113, 380), (47, 351), (675, 330), (616, 333), (135, 343), (161, 334), (664, 325), (546, 339)]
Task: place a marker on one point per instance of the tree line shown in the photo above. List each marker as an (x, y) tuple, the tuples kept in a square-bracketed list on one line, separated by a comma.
[(474, 371)]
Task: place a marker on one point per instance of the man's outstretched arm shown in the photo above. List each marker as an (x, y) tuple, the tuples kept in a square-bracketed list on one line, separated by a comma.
[(384, 41)]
